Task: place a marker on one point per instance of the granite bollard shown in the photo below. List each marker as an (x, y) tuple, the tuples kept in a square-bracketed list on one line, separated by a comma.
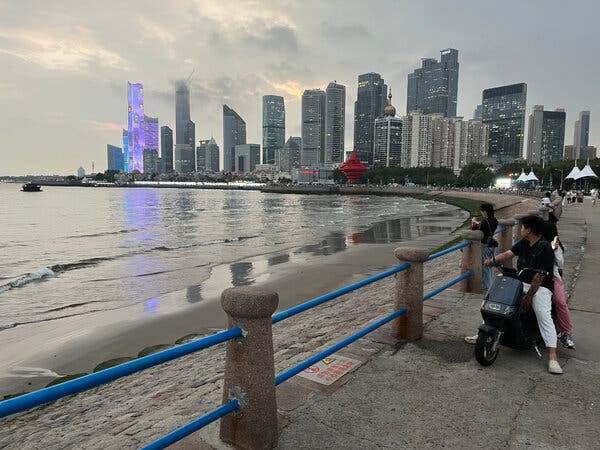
[(409, 292), (471, 261), (250, 369)]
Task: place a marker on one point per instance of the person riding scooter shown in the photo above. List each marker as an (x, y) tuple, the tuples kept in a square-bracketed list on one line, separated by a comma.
[(535, 253)]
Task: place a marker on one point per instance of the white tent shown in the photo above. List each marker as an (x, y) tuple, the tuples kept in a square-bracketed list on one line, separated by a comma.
[(531, 177), (522, 177), (586, 172), (574, 173)]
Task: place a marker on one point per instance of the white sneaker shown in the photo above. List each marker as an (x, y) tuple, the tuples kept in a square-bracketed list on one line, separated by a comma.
[(554, 367), (471, 339)]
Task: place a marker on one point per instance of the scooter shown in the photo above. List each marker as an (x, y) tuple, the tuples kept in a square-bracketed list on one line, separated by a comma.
[(505, 321)]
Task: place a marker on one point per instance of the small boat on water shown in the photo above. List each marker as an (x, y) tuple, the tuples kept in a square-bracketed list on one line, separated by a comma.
[(31, 187)]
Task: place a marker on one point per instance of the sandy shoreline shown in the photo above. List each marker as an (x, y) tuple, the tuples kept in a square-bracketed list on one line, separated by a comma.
[(138, 409), (79, 343)]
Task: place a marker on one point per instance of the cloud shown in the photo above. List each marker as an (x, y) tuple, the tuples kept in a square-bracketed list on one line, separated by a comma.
[(293, 89), (152, 30), (57, 52), (345, 31)]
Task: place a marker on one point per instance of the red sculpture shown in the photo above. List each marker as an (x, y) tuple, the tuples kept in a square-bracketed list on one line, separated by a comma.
[(353, 168)]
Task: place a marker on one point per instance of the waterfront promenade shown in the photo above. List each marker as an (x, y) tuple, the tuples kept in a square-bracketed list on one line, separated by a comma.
[(432, 393), (423, 394)]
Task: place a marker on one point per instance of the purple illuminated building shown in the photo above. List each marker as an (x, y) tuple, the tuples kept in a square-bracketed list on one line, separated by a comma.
[(135, 127), (151, 133)]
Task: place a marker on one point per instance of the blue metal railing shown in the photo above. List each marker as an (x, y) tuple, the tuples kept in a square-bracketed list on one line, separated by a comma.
[(36, 398), (194, 426), (335, 294), (449, 250), (435, 292), (350, 339)]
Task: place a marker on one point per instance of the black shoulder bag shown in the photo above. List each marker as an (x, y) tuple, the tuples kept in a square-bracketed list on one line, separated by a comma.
[(490, 241)]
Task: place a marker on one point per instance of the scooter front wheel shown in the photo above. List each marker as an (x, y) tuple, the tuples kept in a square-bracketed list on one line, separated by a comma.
[(484, 352)]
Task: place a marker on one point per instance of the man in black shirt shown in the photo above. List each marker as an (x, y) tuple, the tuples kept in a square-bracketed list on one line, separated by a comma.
[(535, 253)]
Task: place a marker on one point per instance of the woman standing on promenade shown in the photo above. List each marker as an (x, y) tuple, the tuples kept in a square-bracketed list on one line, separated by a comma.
[(488, 244), (488, 248)]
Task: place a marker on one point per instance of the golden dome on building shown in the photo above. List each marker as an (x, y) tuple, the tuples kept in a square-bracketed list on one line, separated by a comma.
[(389, 110)]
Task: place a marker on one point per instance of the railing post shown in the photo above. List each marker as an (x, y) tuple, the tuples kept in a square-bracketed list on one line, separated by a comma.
[(545, 212), (250, 369), (518, 218), (506, 237), (471, 261), (409, 292)]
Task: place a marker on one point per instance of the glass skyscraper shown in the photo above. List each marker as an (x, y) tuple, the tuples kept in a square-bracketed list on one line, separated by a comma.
[(313, 128), (582, 133), (151, 133), (234, 133), (546, 137), (166, 148), (335, 121), (370, 101), (273, 123), (135, 127), (125, 167), (289, 157), (504, 112), (434, 87), (114, 156)]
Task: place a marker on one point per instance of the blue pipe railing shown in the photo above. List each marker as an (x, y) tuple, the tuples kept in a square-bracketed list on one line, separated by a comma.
[(37, 398), (335, 294), (194, 426), (449, 250), (334, 348), (435, 292)]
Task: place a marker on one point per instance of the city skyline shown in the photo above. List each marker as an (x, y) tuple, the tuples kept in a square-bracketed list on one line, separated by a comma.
[(77, 88)]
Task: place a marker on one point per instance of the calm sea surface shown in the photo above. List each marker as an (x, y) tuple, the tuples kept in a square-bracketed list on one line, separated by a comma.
[(72, 251)]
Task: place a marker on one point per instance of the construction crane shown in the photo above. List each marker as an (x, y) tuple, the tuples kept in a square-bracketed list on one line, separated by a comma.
[(187, 82)]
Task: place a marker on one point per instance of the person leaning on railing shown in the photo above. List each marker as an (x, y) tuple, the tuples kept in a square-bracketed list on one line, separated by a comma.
[(535, 254)]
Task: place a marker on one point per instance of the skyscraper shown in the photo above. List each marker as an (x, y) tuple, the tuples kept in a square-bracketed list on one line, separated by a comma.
[(388, 138), (207, 155), (546, 137), (582, 133), (417, 139), (273, 123), (313, 128), (335, 122), (135, 127), (125, 168), (166, 148), (504, 112), (369, 105), (150, 159), (289, 157), (114, 156), (185, 157), (478, 113), (434, 87), (182, 113), (151, 133), (234, 133)]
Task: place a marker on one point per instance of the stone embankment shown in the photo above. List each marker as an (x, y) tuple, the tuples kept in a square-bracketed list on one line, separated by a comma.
[(138, 409)]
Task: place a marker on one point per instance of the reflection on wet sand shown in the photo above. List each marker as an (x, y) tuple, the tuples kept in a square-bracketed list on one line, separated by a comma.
[(247, 272)]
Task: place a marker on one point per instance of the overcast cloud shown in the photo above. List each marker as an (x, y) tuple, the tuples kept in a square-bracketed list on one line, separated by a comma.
[(64, 65)]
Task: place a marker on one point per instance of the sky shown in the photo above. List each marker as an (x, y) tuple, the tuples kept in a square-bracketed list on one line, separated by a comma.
[(64, 64)]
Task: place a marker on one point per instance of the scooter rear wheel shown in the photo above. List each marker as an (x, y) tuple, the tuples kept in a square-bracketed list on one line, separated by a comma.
[(483, 349)]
